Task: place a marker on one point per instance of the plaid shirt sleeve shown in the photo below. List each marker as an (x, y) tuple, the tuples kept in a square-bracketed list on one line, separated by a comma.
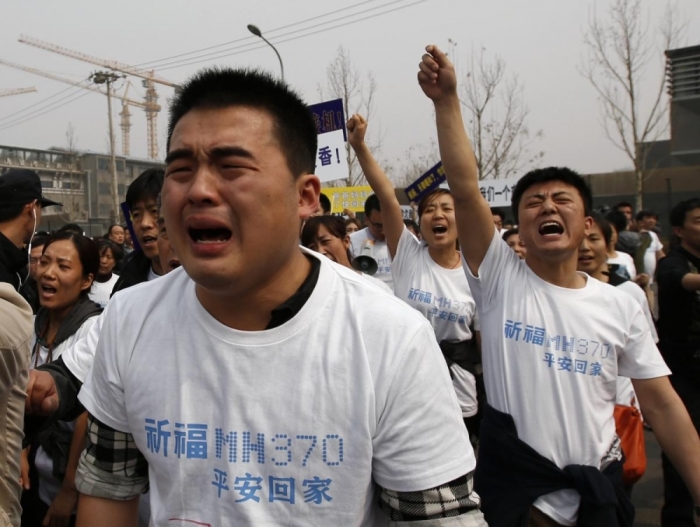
[(450, 500), (111, 466)]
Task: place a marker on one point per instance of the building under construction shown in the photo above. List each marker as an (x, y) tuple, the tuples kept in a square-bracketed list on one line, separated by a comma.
[(80, 180)]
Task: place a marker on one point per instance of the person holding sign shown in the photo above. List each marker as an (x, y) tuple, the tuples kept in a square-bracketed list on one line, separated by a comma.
[(554, 342), (428, 275)]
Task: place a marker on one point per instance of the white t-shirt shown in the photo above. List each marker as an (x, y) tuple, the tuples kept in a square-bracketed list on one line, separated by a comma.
[(444, 298), (625, 390), (626, 261), (287, 426), (551, 358), (380, 252), (101, 291), (650, 255), (48, 484), (152, 274)]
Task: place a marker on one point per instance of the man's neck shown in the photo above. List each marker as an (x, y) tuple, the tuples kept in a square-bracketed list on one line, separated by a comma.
[(559, 272), (15, 235), (250, 309), (102, 278), (156, 267), (690, 250)]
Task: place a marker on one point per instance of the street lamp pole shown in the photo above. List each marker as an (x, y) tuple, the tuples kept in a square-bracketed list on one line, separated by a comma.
[(107, 77), (256, 31)]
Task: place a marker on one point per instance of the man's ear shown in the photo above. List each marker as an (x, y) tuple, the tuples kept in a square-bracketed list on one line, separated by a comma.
[(308, 188)]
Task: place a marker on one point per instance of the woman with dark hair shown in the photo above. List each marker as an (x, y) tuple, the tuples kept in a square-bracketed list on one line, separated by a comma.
[(352, 225), (512, 238), (428, 274), (328, 235), (65, 273), (110, 256)]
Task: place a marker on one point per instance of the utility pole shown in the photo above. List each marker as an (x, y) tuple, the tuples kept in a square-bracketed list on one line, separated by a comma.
[(107, 77)]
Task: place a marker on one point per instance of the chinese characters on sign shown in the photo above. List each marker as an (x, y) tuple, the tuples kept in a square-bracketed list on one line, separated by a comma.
[(331, 156), (498, 192), (425, 184), (352, 198)]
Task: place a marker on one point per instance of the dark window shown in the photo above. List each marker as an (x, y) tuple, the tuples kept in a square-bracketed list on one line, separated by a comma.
[(47, 183), (105, 188), (102, 163)]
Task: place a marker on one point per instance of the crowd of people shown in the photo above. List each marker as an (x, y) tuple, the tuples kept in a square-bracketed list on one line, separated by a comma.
[(255, 360)]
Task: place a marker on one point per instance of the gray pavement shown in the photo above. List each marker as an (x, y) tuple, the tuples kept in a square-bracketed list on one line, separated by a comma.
[(648, 492)]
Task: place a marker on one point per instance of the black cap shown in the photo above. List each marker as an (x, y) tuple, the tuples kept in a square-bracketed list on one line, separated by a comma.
[(19, 186)]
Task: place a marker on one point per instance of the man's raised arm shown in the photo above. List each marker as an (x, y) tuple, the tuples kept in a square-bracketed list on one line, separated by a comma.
[(474, 221)]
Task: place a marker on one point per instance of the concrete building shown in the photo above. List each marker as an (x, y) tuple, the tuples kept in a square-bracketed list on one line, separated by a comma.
[(78, 179)]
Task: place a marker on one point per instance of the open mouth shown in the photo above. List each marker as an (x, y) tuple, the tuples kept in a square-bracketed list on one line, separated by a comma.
[(551, 228), (47, 291), (209, 235), (148, 239), (439, 229)]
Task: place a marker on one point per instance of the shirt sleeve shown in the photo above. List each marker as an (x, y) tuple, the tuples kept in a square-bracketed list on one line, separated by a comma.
[(407, 251), (420, 440), (111, 466), (486, 285), (103, 392), (670, 272), (640, 358), (80, 357)]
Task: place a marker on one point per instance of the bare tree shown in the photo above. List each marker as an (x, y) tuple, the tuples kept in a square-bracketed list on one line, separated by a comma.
[(345, 81), (497, 117), (415, 162), (621, 49)]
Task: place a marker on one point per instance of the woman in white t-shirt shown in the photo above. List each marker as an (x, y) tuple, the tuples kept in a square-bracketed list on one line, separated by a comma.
[(428, 274), (328, 235), (65, 274), (110, 255)]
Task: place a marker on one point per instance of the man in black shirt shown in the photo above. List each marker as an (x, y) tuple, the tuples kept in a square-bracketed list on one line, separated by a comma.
[(679, 331)]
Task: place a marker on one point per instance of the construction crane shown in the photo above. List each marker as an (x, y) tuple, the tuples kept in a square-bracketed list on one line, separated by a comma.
[(18, 91), (125, 115), (149, 77)]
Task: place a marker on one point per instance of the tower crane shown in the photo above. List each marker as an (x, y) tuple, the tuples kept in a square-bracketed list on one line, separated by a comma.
[(125, 123), (150, 79), (7, 93)]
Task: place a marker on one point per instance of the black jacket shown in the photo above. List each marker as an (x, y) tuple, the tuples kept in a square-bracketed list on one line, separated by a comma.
[(13, 262), (510, 476), (135, 271)]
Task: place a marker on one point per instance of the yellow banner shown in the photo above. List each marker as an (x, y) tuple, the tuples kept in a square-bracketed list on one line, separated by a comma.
[(352, 198)]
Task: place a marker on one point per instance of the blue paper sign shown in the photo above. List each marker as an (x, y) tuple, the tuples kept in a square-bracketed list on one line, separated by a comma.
[(329, 116), (425, 184), (130, 225)]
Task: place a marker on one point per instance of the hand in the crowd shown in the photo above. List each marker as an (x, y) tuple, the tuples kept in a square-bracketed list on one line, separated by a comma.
[(357, 127), (642, 279), (349, 213), (61, 508), (24, 469), (42, 397), (437, 75)]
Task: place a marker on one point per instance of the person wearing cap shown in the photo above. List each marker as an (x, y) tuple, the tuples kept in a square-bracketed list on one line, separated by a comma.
[(21, 202), (20, 211)]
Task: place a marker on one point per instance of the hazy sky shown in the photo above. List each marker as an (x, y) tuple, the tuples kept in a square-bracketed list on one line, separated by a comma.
[(540, 40)]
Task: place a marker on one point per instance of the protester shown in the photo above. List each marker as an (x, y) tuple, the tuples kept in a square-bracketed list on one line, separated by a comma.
[(413, 228), (115, 233), (168, 259), (371, 239), (66, 272), (352, 225), (128, 242), (498, 218), (679, 329), (626, 208), (29, 288), (73, 228), (144, 264), (110, 256), (549, 453), (20, 205), (327, 235), (512, 239), (618, 223), (253, 319), (428, 275)]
